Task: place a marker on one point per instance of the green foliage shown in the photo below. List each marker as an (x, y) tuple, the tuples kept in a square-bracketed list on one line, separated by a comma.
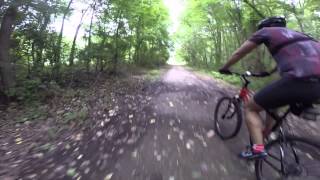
[(256, 83), (121, 32), (78, 115), (153, 74), (234, 80), (33, 113), (129, 32), (26, 91)]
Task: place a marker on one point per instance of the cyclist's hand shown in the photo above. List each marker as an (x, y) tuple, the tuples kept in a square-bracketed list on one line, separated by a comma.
[(224, 71)]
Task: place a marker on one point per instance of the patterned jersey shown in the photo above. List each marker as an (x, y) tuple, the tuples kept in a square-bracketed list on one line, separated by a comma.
[(296, 54)]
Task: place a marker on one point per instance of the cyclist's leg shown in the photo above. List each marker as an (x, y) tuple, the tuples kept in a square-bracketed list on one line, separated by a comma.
[(255, 127), (269, 123), (254, 121), (269, 97), (283, 92)]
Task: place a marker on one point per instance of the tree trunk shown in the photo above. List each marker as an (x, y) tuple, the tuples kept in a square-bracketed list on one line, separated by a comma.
[(295, 13), (73, 47), (254, 8), (57, 53), (7, 75), (99, 59), (116, 54), (40, 45), (89, 39), (33, 52), (138, 42)]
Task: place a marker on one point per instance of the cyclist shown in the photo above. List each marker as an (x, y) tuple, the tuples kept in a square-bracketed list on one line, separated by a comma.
[(298, 61)]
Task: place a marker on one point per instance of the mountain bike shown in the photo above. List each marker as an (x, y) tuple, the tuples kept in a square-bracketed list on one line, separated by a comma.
[(228, 123), (289, 156)]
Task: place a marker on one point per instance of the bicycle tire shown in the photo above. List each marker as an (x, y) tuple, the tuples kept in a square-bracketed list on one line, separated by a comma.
[(236, 114), (313, 146)]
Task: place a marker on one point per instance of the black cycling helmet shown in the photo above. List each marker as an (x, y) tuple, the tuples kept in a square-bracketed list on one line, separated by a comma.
[(275, 21)]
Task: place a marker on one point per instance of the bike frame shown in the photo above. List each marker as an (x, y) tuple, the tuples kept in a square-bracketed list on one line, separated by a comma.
[(244, 94)]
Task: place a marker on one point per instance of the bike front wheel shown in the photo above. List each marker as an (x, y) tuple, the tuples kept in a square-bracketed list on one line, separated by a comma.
[(296, 158), (227, 118)]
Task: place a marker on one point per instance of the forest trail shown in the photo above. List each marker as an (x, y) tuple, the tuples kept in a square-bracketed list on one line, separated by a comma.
[(179, 143), (162, 132)]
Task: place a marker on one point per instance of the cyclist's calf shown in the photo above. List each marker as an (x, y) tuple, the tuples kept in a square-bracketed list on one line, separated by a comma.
[(254, 121)]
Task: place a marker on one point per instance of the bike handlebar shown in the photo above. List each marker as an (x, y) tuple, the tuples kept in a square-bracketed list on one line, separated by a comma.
[(249, 74)]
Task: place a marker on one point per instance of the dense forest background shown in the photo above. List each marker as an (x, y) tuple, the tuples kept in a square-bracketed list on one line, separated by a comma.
[(34, 55), (212, 29)]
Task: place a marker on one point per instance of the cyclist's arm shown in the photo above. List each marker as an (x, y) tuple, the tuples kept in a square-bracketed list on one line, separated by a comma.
[(244, 49)]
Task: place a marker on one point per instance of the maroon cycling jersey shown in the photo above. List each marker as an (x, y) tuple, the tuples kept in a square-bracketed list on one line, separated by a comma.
[(296, 54)]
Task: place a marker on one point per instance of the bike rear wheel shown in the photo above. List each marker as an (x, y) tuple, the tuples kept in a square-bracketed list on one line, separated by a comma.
[(300, 160), (227, 118)]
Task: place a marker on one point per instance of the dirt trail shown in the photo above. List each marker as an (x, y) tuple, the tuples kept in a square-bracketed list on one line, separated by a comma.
[(180, 143), (162, 133)]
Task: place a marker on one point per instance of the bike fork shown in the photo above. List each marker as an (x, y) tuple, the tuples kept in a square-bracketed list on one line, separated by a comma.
[(282, 153)]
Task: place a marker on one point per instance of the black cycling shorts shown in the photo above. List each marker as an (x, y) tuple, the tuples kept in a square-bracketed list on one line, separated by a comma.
[(288, 91)]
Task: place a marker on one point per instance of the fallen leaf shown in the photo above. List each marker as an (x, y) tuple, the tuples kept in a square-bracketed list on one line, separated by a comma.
[(152, 121), (67, 146), (171, 104), (80, 156), (121, 151), (109, 176), (71, 172), (188, 145), (134, 154), (102, 124), (18, 141), (210, 134), (112, 112), (158, 157), (99, 133), (133, 128), (196, 174), (87, 170), (38, 155)]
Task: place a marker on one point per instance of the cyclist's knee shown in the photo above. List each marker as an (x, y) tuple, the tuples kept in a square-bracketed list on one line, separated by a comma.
[(252, 106)]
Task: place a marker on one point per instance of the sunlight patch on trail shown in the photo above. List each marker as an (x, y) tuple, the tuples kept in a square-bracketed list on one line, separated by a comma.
[(174, 61), (177, 75)]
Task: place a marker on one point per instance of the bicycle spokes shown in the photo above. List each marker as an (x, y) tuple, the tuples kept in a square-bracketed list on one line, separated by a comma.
[(229, 110), (295, 159), (227, 118)]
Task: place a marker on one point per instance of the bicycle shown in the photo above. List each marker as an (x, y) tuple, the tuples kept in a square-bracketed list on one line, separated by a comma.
[(288, 155)]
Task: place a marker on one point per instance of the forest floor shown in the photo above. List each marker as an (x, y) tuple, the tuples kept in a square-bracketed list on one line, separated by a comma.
[(130, 127)]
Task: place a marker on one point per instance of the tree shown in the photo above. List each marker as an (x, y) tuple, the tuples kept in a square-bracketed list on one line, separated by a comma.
[(6, 69), (73, 47), (57, 54)]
